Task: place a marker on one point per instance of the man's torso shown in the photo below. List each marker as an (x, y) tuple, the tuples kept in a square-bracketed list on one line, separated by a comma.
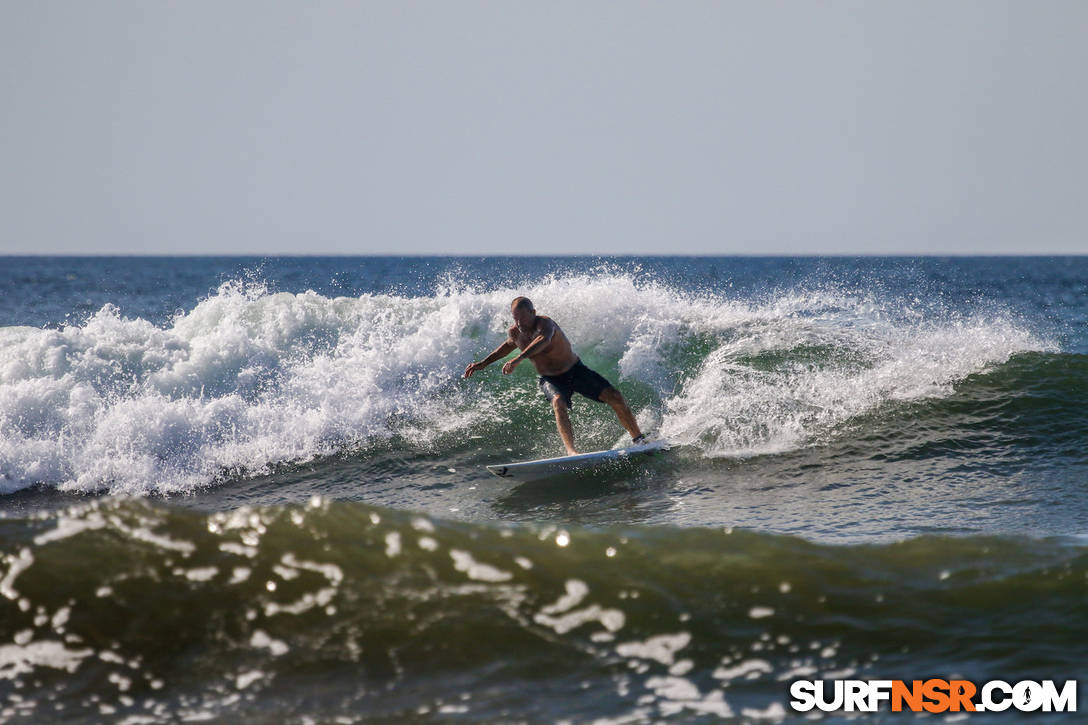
[(555, 357)]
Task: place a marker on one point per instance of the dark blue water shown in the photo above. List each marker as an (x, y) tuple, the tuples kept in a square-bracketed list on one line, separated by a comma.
[(254, 489)]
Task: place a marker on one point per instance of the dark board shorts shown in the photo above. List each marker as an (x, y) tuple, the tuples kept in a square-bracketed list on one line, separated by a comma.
[(579, 379)]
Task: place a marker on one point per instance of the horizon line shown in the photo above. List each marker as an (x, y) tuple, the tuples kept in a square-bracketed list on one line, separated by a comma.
[(571, 255)]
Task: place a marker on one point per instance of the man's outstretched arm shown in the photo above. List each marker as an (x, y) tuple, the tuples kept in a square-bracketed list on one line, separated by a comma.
[(500, 352)]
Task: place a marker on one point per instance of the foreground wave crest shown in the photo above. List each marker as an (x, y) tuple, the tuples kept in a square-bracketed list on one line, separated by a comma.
[(281, 613)]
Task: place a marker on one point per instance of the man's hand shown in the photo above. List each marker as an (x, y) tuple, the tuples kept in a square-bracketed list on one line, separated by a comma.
[(499, 353), (509, 367)]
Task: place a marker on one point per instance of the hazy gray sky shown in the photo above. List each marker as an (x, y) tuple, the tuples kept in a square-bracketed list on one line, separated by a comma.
[(800, 127)]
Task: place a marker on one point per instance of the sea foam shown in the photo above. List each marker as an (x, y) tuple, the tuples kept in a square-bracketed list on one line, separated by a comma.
[(248, 379)]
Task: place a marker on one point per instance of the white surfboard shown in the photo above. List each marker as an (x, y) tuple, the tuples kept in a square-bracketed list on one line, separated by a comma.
[(546, 467)]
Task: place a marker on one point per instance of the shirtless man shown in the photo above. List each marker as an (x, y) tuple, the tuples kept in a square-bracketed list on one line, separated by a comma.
[(561, 371)]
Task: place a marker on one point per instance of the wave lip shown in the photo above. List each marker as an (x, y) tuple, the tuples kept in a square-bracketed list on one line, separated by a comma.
[(785, 380)]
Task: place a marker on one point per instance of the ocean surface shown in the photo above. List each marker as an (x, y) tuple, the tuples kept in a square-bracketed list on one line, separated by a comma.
[(253, 489)]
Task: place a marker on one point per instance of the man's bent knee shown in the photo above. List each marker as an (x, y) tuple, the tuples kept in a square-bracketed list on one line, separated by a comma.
[(610, 395)]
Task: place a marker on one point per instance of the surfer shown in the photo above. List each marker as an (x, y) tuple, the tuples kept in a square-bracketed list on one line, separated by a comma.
[(562, 373)]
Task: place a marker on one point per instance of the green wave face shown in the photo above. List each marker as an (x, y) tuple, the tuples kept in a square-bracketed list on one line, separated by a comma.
[(282, 613)]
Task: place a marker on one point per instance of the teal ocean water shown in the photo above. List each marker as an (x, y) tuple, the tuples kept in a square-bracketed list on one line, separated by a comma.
[(253, 489)]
